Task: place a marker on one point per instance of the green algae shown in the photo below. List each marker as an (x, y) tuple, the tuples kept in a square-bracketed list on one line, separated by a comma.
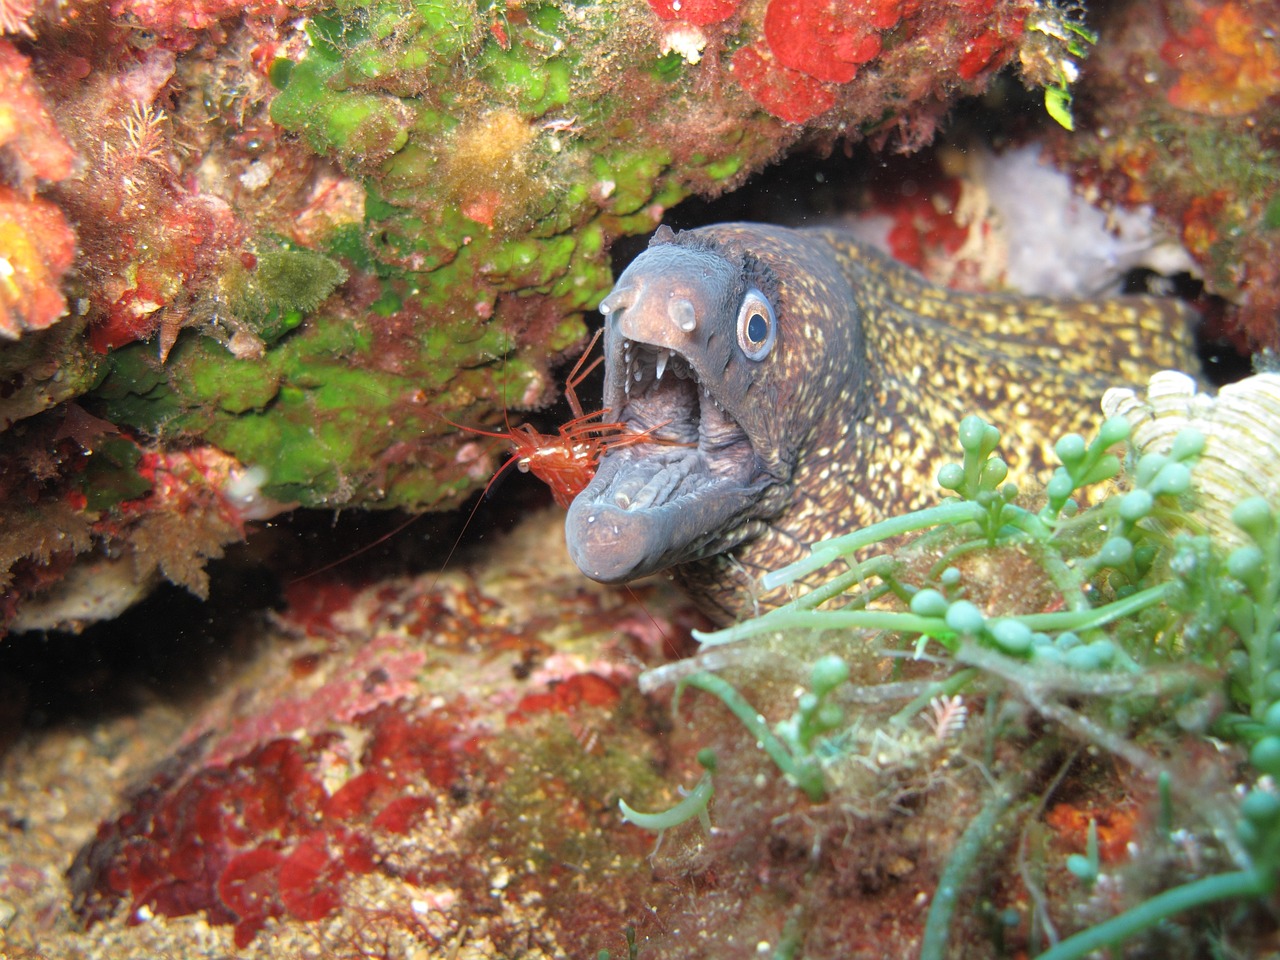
[(499, 155)]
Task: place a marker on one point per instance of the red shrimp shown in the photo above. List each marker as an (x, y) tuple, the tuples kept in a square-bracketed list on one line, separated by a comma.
[(566, 461)]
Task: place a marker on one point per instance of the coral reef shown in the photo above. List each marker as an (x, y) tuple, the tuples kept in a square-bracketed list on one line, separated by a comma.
[(357, 781), (313, 237), (971, 218), (1178, 109)]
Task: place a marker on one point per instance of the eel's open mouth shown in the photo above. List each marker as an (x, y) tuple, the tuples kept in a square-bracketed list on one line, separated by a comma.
[(676, 497)]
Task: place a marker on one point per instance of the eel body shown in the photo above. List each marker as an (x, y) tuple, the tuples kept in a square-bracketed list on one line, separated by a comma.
[(804, 385)]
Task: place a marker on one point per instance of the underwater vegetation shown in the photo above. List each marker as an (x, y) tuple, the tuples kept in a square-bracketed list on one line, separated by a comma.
[(1008, 725), (255, 256), (1127, 629)]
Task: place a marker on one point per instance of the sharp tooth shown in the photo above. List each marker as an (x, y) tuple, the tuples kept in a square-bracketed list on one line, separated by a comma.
[(639, 374), (663, 355), (626, 386)]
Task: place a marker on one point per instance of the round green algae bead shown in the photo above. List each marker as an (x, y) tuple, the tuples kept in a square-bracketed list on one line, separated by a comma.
[(1116, 552), (1245, 563), (830, 715), (1067, 640), (1113, 430), (1060, 485), (1149, 464), (1082, 867), (1271, 688), (1265, 755), (1070, 449), (1136, 504), (1252, 515), (1012, 636), (1173, 478), (965, 617), (929, 603), (828, 673), (1271, 719), (1047, 655), (1187, 444), (950, 476), (993, 473), (975, 433), (1090, 656), (1261, 807), (950, 577), (1237, 664)]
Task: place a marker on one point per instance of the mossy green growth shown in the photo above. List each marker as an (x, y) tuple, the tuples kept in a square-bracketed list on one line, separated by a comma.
[(111, 474), (500, 154), (286, 284)]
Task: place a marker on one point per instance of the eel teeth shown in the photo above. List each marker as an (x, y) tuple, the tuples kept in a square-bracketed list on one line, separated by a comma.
[(663, 356)]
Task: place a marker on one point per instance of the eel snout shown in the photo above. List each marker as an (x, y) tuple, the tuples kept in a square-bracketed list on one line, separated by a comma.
[(658, 503)]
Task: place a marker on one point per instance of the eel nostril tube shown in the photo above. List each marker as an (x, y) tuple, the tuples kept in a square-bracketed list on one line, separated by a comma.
[(682, 314), (618, 299)]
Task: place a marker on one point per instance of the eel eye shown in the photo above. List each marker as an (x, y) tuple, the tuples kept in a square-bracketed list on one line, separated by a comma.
[(757, 326)]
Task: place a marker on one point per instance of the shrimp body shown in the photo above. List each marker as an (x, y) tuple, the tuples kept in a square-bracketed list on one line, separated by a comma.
[(566, 461)]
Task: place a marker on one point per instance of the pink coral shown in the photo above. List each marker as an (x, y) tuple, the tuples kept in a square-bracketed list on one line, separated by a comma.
[(807, 50), (263, 836), (31, 145), (178, 22)]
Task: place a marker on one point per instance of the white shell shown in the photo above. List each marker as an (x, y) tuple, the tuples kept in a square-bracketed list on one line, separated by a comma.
[(1241, 426)]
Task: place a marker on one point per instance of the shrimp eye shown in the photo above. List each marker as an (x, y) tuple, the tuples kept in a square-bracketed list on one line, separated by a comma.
[(757, 326)]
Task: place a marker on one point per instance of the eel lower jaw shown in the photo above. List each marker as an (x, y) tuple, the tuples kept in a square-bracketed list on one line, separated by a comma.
[(676, 498)]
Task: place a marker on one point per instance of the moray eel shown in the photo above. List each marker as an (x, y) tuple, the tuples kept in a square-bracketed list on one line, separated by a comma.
[(804, 385)]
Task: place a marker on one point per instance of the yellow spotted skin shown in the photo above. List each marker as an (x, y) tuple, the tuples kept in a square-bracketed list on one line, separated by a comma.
[(875, 368)]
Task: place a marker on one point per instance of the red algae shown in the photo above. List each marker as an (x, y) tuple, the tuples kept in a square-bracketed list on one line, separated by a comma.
[(374, 765), (788, 94), (827, 39), (698, 12), (38, 246), (1227, 63)]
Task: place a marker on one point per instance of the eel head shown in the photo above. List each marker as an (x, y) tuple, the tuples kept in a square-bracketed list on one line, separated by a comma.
[(692, 342)]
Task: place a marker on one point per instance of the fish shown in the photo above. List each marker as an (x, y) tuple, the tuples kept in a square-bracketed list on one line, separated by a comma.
[(802, 385)]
